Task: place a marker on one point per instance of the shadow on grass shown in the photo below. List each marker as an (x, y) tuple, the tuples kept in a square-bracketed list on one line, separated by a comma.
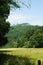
[(14, 60)]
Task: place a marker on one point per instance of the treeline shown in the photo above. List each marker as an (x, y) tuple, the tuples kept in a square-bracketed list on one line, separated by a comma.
[(25, 36)]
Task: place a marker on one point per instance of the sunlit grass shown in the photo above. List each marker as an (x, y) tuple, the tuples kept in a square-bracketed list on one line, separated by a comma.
[(34, 53)]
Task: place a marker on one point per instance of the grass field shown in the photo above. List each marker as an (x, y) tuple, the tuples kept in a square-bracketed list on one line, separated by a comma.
[(34, 53)]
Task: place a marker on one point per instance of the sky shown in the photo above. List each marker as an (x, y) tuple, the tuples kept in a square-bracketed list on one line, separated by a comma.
[(32, 15)]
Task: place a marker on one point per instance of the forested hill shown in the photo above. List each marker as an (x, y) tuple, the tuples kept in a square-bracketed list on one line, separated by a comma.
[(18, 30), (25, 36)]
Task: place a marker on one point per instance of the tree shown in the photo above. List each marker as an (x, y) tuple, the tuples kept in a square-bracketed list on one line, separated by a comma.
[(36, 40), (4, 25)]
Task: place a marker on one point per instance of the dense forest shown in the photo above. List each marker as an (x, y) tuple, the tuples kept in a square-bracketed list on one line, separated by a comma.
[(25, 36)]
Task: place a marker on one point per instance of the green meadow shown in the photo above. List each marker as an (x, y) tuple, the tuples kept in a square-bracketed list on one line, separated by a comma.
[(32, 54)]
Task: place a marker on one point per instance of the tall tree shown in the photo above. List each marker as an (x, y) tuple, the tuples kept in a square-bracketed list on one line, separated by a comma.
[(4, 25)]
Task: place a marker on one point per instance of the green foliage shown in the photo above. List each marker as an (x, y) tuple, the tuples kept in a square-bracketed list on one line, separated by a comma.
[(4, 25), (11, 44), (18, 33), (37, 38), (18, 30), (24, 35), (4, 8), (14, 3), (4, 28), (26, 44)]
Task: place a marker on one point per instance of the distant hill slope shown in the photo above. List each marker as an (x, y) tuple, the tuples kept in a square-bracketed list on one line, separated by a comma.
[(18, 30)]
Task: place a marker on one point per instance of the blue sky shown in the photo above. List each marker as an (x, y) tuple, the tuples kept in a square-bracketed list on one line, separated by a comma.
[(33, 15)]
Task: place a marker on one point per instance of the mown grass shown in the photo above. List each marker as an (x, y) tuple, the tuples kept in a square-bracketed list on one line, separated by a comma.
[(31, 53)]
